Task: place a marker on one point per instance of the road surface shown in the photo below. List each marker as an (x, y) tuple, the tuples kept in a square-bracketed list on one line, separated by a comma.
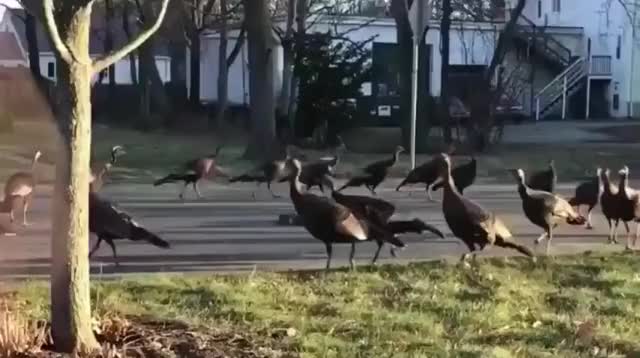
[(230, 232)]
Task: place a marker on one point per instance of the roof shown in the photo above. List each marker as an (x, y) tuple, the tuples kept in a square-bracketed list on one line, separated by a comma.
[(9, 48), (96, 41)]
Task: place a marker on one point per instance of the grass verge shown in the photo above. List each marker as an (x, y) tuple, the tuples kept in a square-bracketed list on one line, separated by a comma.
[(570, 306)]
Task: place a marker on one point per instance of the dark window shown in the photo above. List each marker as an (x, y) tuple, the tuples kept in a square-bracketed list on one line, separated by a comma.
[(618, 47), (589, 46), (539, 8), (51, 69), (616, 102)]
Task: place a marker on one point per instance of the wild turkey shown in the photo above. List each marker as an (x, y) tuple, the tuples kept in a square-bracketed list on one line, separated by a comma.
[(99, 171), (544, 180), (319, 173), (193, 171), (588, 193), (21, 186), (329, 221), (426, 173), (268, 172), (545, 209), (463, 176), (109, 223), (378, 212), (609, 204), (469, 221), (374, 173), (628, 204)]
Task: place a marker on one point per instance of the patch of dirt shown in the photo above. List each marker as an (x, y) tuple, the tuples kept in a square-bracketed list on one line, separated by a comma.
[(153, 339)]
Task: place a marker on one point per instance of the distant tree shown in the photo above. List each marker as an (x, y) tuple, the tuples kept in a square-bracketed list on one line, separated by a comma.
[(331, 72), (486, 100), (68, 25), (197, 17), (154, 102), (225, 61), (261, 79), (445, 27)]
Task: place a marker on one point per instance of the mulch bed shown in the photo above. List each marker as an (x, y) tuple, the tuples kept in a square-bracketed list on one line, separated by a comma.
[(153, 339)]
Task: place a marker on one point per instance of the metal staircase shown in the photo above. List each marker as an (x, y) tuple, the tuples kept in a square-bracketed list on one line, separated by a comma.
[(543, 43), (563, 86), (573, 69)]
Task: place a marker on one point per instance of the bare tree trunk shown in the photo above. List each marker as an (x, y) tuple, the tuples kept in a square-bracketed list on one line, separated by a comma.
[(261, 67), (194, 74), (154, 95), (288, 58), (301, 29), (223, 69), (69, 31), (445, 27), (404, 33), (71, 318), (223, 74), (132, 55), (482, 110)]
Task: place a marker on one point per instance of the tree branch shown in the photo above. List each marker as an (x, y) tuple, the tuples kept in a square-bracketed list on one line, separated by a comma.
[(49, 19), (238, 46), (109, 59)]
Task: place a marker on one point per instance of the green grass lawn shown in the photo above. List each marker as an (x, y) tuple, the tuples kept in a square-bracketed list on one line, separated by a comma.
[(570, 306)]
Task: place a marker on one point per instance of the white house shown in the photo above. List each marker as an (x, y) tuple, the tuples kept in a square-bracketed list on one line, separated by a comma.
[(12, 54), (570, 58)]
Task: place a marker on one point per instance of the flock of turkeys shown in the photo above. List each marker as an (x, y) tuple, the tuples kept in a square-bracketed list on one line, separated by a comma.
[(350, 219)]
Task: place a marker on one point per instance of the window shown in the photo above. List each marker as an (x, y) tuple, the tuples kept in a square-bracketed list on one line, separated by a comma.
[(539, 8), (51, 69), (556, 6), (589, 46), (618, 47)]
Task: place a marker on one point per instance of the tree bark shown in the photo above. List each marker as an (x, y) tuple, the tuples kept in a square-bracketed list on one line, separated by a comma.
[(261, 71), (445, 27), (133, 69), (153, 93), (71, 319), (194, 74), (301, 30), (223, 70), (287, 60), (223, 74), (404, 34)]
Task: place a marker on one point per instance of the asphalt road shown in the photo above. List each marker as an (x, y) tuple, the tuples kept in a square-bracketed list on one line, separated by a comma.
[(229, 231)]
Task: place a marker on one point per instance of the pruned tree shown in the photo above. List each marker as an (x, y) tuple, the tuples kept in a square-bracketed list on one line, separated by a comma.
[(261, 79), (224, 61), (483, 107), (67, 24)]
